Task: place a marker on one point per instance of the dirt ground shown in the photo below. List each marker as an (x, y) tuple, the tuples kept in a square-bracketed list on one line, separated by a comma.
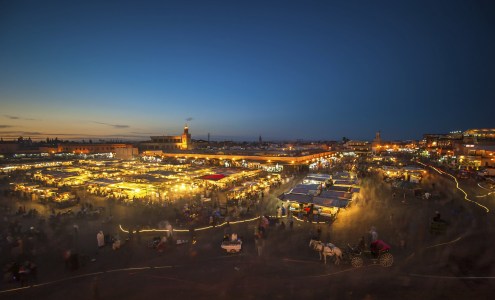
[(454, 265)]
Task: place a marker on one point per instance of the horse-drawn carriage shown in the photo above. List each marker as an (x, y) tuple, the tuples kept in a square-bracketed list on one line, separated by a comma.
[(379, 253)]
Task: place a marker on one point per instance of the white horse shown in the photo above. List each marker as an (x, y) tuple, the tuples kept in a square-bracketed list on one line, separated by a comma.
[(326, 250)]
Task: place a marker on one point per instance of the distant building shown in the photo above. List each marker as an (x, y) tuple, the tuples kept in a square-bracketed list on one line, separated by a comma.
[(358, 147), (124, 150), (479, 135), (377, 142), (120, 150), (168, 143), (126, 153), (378, 145), (473, 148), (9, 147)]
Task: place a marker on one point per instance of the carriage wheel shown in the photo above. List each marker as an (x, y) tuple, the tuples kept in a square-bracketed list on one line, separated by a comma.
[(386, 260), (357, 262)]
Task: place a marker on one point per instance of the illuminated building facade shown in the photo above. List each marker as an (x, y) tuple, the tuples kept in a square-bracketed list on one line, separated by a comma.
[(121, 151), (168, 143), (378, 146), (358, 147), (473, 148)]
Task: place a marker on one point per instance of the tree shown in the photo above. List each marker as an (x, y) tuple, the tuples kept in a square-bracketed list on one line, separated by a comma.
[(345, 139)]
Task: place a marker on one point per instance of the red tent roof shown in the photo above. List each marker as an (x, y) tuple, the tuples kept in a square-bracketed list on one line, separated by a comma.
[(214, 177)]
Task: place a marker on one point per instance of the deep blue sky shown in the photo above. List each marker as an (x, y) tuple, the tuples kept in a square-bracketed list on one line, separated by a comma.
[(285, 70)]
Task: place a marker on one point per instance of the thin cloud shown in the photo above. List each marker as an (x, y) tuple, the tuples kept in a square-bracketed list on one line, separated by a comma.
[(17, 133), (113, 125), (144, 133), (18, 118), (6, 126), (71, 136)]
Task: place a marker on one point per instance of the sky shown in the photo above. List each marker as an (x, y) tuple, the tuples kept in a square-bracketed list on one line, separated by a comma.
[(310, 70)]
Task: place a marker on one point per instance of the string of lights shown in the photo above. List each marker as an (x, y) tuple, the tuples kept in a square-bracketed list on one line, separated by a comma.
[(457, 186)]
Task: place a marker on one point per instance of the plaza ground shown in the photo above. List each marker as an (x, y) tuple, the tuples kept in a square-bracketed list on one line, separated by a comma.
[(455, 265)]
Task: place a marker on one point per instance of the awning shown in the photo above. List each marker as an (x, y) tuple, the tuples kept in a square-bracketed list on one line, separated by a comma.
[(297, 198), (330, 202), (335, 194), (305, 188), (344, 182), (213, 177), (339, 188)]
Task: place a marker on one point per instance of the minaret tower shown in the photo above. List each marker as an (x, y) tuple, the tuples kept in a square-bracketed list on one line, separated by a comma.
[(186, 139), (377, 142)]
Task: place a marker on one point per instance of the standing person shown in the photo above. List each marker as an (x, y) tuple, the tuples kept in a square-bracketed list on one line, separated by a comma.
[(373, 235), (138, 234), (76, 237), (259, 243), (67, 254), (95, 289), (192, 234), (311, 212), (161, 245), (20, 245), (170, 230), (100, 238), (227, 230)]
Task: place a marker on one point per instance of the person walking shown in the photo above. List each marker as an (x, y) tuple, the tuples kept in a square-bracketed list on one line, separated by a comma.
[(95, 289), (170, 230), (100, 238), (373, 235), (259, 241)]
